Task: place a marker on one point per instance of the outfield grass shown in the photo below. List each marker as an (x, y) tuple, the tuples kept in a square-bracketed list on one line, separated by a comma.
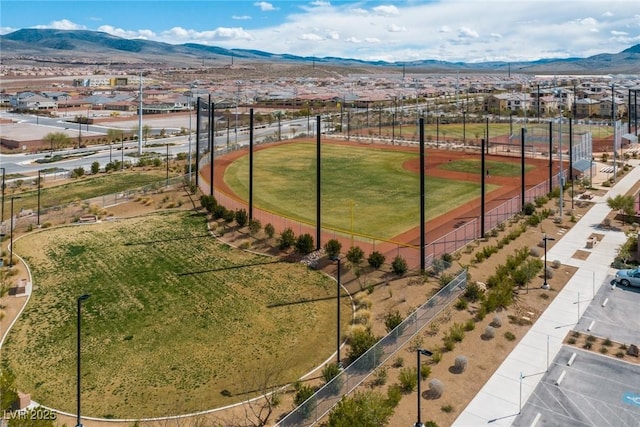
[(83, 188), (384, 196), (174, 318), (495, 168)]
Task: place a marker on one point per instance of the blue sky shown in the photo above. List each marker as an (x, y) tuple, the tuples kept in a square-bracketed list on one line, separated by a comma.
[(395, 30)]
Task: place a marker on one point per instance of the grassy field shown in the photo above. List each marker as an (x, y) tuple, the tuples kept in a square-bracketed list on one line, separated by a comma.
[(176, 321), (474, 165), (83, 188), (384, 196)]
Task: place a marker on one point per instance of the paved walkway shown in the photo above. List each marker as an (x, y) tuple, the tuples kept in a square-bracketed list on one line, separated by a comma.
[(500, 400)]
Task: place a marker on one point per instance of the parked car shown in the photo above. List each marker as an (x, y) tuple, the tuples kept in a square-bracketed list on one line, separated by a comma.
[(629, 277)]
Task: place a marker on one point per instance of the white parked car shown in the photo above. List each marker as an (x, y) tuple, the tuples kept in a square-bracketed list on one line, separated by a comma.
[(629, 277)]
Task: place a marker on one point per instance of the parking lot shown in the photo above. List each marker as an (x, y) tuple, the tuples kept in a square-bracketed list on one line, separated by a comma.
[(592, 389)]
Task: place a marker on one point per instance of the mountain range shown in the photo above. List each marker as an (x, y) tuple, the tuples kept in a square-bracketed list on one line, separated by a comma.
[(82, 47)]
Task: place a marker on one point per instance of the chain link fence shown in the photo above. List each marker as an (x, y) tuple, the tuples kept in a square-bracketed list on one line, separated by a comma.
[(317, 406)]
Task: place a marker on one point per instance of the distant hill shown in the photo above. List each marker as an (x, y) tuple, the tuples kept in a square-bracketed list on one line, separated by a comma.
[(94, 47)]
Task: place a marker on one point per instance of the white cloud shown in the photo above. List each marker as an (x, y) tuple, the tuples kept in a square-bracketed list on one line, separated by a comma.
[(393, 28), (467, 33), (129, 34), (63, 24), (353, 40), (7, 30), (389, 10), (445, 29), (241, 17), (589, 21), (619, 33), (264, 6), (319, 3), (496, 35), (333, 35), (311, 37)]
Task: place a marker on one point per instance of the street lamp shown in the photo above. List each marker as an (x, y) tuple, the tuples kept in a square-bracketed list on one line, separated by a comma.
[(81, 298), (545, 285), (11, 233), (337, 259), (427, 353)]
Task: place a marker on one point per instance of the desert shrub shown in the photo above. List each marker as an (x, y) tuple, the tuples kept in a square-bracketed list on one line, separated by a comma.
[(461, 304), (241, 217), (329, 374), (529, 208), (254, 226), (355, 255), (269, 230), (365, 409), (362, 317), (304, 243), (469, 325), (445, 279), (77, 172), (607, 342), (303, 392), (375, 259), (208, 202), (496, 322), (489, 333), (398, 362), (449, 343), (332, 248), (540, 201), (399, 265), (436, 388), (473, 292), (408, 378), (425, 371), (394, 395), (460, 363), (362, 301), (360, 342), (436, 357), (392, 320), (509, 336), (456, 332), (446, 409), (287, 239), (380, 376)]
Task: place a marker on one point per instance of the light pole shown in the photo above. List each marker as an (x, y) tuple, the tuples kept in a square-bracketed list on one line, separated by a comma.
[(545, 285), (427, 353), (337, 259), (81, 298), (2, 218), (189, 108), (39, 185), (11, 233)]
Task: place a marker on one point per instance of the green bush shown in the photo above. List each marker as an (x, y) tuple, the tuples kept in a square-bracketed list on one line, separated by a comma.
[(461, 304), (392, 320), (376, 259), (529, 208), (329, 374), (355, 255), (241, 217), (408, 378), (425, 371), (269, 230), (304, 244), (254, 226), (362, 409), (287, 239), (332, 248), (399, 265), (361, 341)]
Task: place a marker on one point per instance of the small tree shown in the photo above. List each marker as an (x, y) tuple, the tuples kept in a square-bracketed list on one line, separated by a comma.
[(332, 248), (304, 243), (254, 226), (408, 378), (399, 265), (376, 259), (77, 172), (329, 374), (362, 409), (623, 203), (241, 217), (355, 255), (269, 230), (95, 168), (287, 238), (392, 320), (208, 202)]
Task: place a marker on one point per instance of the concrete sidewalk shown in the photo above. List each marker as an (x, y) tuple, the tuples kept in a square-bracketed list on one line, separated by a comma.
[(502, 397)]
